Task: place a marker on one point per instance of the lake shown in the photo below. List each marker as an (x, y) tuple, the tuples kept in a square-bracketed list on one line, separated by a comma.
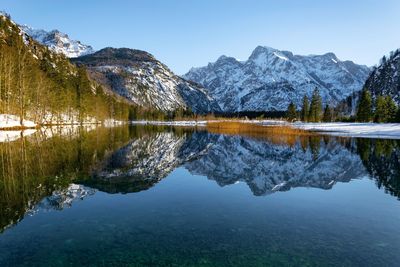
[(164, 196)]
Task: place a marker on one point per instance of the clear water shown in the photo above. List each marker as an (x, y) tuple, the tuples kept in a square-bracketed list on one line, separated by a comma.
[(135, 196)]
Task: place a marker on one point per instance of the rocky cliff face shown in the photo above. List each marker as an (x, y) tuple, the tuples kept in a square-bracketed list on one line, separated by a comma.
[(143, 80), (270, 79)]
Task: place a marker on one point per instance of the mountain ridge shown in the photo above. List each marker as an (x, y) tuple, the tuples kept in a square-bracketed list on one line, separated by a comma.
[(58, 42), (142, 79), (270, 78)]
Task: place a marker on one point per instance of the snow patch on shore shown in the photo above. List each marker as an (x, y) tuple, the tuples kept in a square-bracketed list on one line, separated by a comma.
[(369, 130)]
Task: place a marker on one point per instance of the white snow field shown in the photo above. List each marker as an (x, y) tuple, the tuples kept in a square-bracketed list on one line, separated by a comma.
[(369, 130)]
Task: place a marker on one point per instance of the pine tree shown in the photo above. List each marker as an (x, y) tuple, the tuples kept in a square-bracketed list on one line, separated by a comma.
[(381, 114), (327, 114), (364, 107), (398, 115), (315, 107), (391, 109), (305, 109), (385, 109), (291, 114)]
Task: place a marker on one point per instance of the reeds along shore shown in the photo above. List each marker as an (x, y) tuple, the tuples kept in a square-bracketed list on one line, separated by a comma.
[(278, 134), (236, 127)]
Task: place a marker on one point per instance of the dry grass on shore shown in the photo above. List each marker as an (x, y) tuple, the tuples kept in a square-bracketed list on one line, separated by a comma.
[(236, 127), (278, 134)]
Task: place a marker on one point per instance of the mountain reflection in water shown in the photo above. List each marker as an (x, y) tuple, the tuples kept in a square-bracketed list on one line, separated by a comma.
[(42, 172)]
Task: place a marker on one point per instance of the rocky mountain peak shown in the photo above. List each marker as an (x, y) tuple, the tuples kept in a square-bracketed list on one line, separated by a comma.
[(270, 79), (58, 42), (142, 79)]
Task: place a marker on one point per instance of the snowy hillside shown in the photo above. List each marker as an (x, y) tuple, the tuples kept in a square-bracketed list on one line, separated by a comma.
[(58, 42), (271, 78), (140, 78)]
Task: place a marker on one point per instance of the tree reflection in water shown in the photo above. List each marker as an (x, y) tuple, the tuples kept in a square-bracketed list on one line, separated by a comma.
[(40, 171)]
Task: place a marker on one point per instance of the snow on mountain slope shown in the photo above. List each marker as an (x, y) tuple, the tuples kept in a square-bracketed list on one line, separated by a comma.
[(271, 78), (58, 42), (139, 77)]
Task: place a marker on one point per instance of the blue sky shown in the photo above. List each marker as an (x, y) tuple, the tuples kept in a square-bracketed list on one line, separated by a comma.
[(186, 33)]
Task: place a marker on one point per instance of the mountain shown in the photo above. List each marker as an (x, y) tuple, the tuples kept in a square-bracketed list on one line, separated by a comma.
[(385, 78), (133, 74), (143, 80), (58, 42), (270, 79)]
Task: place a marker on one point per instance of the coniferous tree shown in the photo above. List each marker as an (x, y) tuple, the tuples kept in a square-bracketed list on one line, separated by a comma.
[(381, 114), (327, 114), (398, 115), (391, 109), (385, 109), (315, 107), (364, 107), (291, 114), (305, 109)]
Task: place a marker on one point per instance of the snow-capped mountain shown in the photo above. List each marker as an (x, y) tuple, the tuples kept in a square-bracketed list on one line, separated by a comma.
[(140, 78), (58, 42), (270, 79), (385, 78)]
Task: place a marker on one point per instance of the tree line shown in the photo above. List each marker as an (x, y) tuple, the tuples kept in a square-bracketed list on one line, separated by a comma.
[(311, 111), (382, 110)]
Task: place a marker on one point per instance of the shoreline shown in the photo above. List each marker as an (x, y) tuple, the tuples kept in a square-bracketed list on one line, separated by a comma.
[(345, 129)]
